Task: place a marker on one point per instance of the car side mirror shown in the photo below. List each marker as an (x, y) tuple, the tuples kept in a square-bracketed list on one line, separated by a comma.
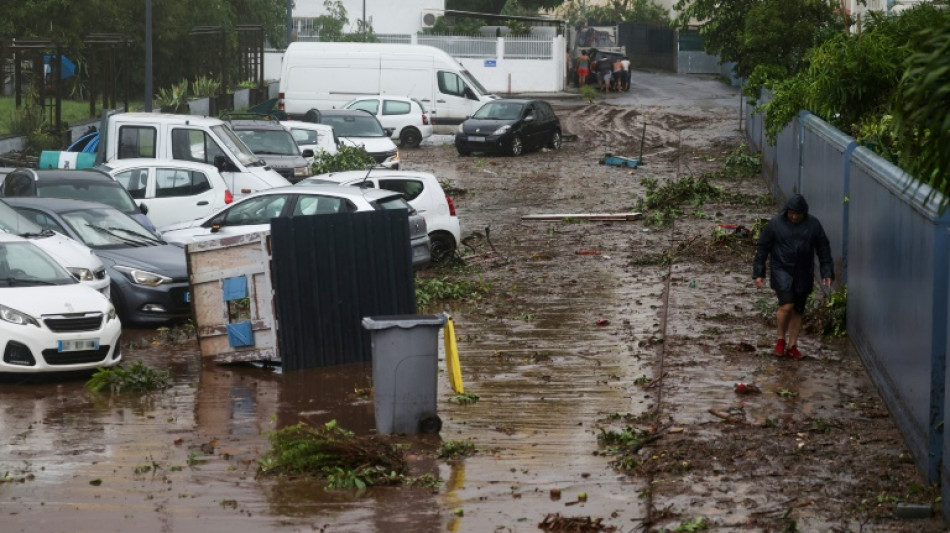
[(529, 118), (307, 153), (389, 131), (143, 208)]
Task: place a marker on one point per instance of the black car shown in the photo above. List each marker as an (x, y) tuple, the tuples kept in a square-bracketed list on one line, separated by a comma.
[(92, 185), (149, 276), (509, 126), (269, 139)]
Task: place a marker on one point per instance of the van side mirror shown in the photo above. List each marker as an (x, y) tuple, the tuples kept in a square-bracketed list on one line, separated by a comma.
[(307, 153)]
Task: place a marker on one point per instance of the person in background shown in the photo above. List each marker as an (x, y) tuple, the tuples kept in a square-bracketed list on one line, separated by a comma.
[(604, 73), (617, 74), (583, 68), (790, 242), (625, 63)]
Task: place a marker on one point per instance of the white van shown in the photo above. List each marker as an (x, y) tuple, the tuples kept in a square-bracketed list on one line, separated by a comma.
[(317, 75), (189, 138)]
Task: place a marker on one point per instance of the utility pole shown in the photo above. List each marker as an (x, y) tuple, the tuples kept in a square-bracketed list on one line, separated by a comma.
[(148, 56)]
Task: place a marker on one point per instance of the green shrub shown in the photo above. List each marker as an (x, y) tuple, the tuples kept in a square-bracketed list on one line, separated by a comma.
[(346, 158)]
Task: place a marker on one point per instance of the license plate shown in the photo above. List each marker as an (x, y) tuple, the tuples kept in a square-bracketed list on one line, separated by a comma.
[(476, 139), (78, 345)]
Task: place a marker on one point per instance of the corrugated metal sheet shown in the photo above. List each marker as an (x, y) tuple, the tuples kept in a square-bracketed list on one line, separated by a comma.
[(335, 270), (824, 180), (648, 46), (897, 271)]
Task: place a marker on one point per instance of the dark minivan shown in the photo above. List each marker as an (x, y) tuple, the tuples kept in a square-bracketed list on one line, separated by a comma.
[(509, 126)]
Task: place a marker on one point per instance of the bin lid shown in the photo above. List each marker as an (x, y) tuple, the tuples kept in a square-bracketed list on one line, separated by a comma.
[(402, 321)]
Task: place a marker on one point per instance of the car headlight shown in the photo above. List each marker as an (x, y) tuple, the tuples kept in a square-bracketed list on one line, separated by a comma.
[(393, 158), (82, 274), (8, 314), (461, 128), (502, 130), (143, 277), (111, 314), (302, 172)]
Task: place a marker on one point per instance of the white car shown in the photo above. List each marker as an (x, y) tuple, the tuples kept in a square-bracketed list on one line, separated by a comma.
[(355, 127), (49, 322), (174, 191), (406, 117), (312, 136), (77, 258), (253, 213), (424, 193)]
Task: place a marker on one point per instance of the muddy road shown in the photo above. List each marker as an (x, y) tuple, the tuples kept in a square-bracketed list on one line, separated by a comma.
[(604, 356)]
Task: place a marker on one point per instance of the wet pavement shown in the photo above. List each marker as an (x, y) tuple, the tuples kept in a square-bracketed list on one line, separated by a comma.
[(582, 331)]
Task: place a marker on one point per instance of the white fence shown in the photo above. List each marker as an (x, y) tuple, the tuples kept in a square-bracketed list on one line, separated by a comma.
[(501, 64)]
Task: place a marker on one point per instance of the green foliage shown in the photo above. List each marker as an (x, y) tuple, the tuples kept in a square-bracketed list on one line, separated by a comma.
[(830, 316), (774, 33), (646, 11), (922, 112), (137, 378), (343, 459), (205, 86), (430, 289), (346, 158), (589, 93), (176, 96), (455, 449), (460, 26), (663, 202), (743, 163), (689, 526), (466, 399)]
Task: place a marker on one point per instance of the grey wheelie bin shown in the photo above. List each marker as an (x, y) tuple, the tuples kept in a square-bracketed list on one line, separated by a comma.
[(405, 372)]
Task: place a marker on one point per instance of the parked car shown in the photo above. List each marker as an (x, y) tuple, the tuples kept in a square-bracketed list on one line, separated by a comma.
[(406, 117), (173, 191), (312, 136), (72, 255), (87, 184), (149, 276), (268, 139), (423, 192), (50, 322), (510, 126), (355, 127), (253, 214)]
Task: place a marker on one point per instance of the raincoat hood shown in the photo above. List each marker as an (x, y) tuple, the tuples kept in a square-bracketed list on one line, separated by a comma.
[(796, 203)]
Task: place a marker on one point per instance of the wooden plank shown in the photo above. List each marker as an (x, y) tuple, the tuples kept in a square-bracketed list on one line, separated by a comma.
[(585, 216)]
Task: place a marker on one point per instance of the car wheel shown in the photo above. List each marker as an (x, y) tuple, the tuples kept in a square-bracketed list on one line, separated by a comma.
[(516, 146), (555, 143), (410, 137), (441, 247)]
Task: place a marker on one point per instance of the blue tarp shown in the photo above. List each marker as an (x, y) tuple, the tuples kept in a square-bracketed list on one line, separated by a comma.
[(66, 67)]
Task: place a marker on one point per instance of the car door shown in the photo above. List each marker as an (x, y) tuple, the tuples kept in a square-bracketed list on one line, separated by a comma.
[(180, 194), (532, 125), (248, 216), (454, 100)]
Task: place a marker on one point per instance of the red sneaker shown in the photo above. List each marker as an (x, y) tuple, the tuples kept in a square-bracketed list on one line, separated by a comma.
[(779, 347), (794, 353)]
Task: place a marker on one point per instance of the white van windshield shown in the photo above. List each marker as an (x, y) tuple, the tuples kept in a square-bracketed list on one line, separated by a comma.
[(235, 145), (473, 82)]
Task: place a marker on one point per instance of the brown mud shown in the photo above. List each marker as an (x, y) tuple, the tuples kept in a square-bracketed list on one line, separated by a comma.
[(588, 328)]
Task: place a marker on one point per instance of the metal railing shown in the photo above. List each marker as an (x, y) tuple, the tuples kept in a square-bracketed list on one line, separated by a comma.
[(462, 46)]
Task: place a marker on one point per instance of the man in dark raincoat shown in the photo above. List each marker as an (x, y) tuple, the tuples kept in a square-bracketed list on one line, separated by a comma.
[(790, 241)]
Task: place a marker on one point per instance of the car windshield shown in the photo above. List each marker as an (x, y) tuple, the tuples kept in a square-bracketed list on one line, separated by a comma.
[(22, 264), (13, 222), (354, 125), (473, 82), (234, 143), (108, 228), (499, 111), (106, 192), (269, 142)]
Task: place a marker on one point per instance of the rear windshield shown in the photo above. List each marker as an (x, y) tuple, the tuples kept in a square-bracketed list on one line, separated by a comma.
[(354, 125), (107, 192), (395, 202)]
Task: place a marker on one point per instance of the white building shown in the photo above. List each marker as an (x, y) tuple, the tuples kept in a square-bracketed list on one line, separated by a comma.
[(384, 16)]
